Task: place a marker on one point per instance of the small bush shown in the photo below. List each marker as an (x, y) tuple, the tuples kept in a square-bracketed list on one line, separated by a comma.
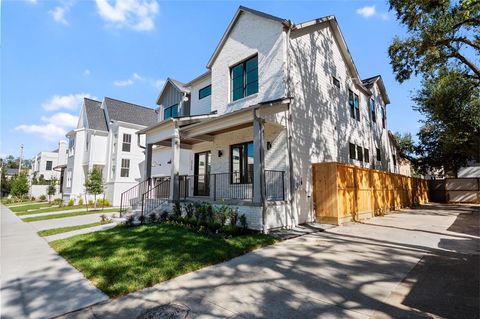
[(103, 202), (90, 202), (163, 217), (43, 198), (33, 198), (177, 210), (71, 202), (142, 219), (104, 219), (221, 214), (243, 222), (7, 201), (152, 218), (129, 220), (58, 201), (233, 217), (80, 201), (189, 210)]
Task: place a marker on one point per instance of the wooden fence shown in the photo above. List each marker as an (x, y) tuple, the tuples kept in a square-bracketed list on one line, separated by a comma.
[(343, 193), (455, 190)]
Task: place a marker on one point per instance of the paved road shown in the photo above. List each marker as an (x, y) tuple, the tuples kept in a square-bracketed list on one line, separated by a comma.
[(387, 267), (35, 281)]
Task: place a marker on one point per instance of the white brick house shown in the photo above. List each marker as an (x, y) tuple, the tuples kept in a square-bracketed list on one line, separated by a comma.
[(105, 138), (277, 97)]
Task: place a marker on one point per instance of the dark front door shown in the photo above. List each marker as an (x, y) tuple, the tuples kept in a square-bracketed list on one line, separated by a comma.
[(201, 185)]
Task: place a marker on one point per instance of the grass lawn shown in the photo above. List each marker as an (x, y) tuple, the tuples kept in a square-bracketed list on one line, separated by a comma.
[(54, 231), (126, 259), (62, 215), (24, 208), (50, 209)]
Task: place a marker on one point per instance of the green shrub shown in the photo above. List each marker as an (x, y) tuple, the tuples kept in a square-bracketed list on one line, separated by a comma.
[(243, 222), (103, 202), (71, 202), (152, 218), (221, 214), (177, 210), (80, 201), (33, 198), (163, 217), (43, 198), (90, 202), (104, 219), (129, 220), (233, 217), (7, 201), (189, 210), (142, 219), (58, 201)]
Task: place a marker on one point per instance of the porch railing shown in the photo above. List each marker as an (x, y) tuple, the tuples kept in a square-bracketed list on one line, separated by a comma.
[(133, 196), (155, 196), (219, 186)]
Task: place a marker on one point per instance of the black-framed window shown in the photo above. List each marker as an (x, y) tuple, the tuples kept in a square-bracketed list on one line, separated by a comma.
[(359, 153), (372, 110), (244, 79), (241, 163), (354, 104), (379, 155), (366, 155), (204, 92), (171, 111), (352, 150), (335, 82), (127, 142), (48, 165), (394, 158), (357, 107), (384, 117), (125, 169)]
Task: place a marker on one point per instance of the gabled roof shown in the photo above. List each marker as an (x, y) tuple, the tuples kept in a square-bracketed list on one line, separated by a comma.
[(122, 111), (198, 78), (176, 84), (241, 10), (95, 116), (370, 82)]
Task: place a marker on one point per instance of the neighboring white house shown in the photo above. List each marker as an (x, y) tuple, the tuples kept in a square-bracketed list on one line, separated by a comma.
[(49, 164), (277, 97), (105, 138)]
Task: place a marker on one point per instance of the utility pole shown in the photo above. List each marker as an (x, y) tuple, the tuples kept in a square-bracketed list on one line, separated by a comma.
[(21, 159)]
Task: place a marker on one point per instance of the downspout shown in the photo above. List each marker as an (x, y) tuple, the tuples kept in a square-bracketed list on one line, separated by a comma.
[(289, 136)]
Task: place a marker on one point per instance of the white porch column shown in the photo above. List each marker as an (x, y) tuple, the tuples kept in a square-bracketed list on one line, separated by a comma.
[(258, 160), (148, 161), (174, 176)]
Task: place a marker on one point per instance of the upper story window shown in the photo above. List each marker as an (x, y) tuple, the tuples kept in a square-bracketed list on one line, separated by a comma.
[(384, 117), (241, 163), (127, 141), (352, 150), (394, 158), (379, 155), (204, 92), (354, 104), (244, 79), (48, 166), (125, 168), (359, 153), (335, 82), (372, 110), (366, 155), (171, 111)]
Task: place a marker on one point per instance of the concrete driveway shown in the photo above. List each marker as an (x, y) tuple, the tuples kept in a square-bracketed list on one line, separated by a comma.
[(35, 281), (417, 263)]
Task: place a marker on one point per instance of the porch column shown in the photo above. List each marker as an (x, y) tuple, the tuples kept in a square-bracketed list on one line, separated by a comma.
[(174, 177), (258, 160), (148, 161)]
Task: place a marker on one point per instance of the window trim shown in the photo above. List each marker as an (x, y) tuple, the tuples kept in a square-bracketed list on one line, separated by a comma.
[(244, 78), (373, 110), (51, 165), (366, 155), (335, 82), (127, 167), (243, 164), (200, 97), (124, 143), (359, 153)]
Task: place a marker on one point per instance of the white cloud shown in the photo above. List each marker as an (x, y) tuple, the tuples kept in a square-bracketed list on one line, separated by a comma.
[(58, 14), (137, 77), (123, 82), (366, 11), (138, 15), (370, 11), (86, 72), (68, 102), (32, 1), (158, 84), (54, 127)]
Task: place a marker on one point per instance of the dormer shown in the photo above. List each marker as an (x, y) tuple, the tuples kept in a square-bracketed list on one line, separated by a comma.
[(173, 101)]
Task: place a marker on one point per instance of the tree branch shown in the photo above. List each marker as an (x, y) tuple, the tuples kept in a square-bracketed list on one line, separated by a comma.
[(467, 62), (466, 41)]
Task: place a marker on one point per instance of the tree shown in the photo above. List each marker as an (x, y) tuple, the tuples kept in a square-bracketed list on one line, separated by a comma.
[(94, 184), (19, 185), (441, 32), (5, 184), (450, 135), (406, 145), (41, 180), (51, 189), (34, 179)]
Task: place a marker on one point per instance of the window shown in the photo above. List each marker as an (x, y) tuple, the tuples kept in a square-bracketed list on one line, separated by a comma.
[(353, 151), (241, 163), (69, 178), (384, 117), (204, 92), (372, 110), (71, 143), (124, 172), (335, 82), (244, 79), (366, 155), (127, 141), (48, 166), (394, 158), (359, 153), (353, 102), (171, 111), (379, 157)]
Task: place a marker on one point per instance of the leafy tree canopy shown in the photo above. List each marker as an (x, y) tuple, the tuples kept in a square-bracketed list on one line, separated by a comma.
[(19, 184)]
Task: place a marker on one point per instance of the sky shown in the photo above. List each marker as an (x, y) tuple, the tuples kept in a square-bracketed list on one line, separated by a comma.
[(57, 51)]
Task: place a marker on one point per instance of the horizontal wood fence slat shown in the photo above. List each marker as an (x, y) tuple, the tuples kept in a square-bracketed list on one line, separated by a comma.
[(343, 192)]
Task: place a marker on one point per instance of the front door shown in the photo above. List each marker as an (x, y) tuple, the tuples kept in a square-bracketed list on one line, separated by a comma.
[(201, 186)]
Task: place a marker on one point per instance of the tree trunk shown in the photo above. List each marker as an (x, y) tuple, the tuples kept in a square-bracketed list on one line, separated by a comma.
[(94, 201)]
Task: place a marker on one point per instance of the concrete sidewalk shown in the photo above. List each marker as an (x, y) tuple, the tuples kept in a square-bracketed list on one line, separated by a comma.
[(35, 281), (367, 270), (67, 221), (80, 232)]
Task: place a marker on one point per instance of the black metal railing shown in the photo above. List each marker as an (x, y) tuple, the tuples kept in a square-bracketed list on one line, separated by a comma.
[(133, 196), (219, 186), (155, 195)]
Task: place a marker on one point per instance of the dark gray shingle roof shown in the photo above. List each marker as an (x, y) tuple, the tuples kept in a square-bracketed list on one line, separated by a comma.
[(129, 112), (95, 115), (370, 81)]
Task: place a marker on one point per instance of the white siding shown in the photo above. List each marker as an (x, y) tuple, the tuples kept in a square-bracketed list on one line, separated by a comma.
[(198, 106)]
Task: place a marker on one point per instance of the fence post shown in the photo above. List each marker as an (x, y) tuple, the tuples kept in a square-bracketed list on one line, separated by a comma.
[(283, 185)]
